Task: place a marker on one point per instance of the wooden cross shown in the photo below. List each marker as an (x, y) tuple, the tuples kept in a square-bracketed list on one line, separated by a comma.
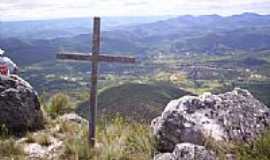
[(95, 57)]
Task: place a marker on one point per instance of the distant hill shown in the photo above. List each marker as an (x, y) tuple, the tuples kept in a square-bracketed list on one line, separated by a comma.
[(140, 102), (26, 53)]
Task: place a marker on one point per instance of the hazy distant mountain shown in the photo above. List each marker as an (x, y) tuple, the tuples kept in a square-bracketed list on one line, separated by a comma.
[(202, 24), (28, 52), (68, 27), (219, 43), (210, 34)]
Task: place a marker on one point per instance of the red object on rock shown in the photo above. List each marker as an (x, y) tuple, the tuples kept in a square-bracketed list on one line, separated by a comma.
[(4, 69)]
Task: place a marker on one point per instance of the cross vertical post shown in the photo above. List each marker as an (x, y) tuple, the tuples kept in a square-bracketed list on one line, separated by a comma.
[(93, 91), (95, 58)]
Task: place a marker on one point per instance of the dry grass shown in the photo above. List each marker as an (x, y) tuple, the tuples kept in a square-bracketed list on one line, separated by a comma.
[(29, 138), (41, 138), (9, 149), (220, 148), (258, 149), (116, 140)]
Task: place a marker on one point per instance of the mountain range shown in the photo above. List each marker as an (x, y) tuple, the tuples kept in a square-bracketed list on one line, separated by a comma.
[(67, 27), (211, 34)]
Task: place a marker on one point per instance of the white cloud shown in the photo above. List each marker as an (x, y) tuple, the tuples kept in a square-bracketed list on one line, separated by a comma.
[(42, 9)]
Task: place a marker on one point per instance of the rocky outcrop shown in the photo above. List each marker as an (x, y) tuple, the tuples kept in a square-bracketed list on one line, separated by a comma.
[(19, 107), (232, 116)]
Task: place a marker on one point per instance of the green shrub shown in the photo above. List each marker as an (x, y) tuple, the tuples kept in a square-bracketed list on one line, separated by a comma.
[(58, 104)]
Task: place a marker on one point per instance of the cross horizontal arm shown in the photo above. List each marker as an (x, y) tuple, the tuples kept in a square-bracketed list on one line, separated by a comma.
[(116, 59), (74, 56), (89, 57)]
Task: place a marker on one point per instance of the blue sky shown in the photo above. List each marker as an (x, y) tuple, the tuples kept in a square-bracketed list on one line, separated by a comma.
[(46, 9)]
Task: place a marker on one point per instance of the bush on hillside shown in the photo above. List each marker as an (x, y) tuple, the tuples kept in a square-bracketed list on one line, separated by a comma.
[(58, 105)]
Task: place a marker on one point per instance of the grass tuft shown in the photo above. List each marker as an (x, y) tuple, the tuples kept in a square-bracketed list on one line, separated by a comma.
[(30, 138), (58, 105), (116, 139), (11, 150), (42, 139)]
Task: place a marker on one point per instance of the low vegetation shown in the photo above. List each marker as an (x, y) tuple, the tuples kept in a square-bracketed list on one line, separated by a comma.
[(58, 105)]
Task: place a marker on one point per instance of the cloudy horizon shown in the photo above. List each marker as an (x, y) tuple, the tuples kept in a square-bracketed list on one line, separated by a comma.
[(49, 9)]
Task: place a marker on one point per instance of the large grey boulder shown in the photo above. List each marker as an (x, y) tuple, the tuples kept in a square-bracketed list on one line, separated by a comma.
[(19, 107), (235, 115), (187, 151)]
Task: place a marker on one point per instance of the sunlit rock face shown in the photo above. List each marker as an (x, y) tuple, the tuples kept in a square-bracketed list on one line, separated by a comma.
[(232, 116), (19, 107)]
